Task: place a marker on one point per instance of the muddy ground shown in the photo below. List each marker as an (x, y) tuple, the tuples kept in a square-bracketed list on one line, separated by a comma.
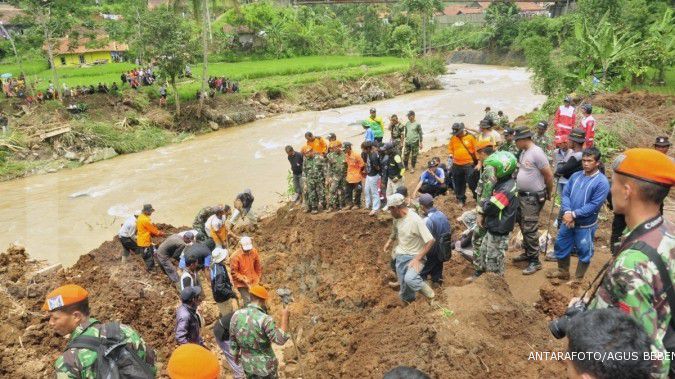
[(346, 321)]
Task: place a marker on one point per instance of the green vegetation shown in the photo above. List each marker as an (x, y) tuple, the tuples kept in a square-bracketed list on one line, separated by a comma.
[(127, 140)]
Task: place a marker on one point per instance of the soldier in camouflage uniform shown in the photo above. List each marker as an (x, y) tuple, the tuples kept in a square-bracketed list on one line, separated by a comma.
[(498, 216), (252, 332), (633, 283), (509, 144), (413, 141), (490, 115), (337, 176), (68, 305), (486, 183), (312, 170), (200, 220), (397, 131), (502, 120), (541, 139)]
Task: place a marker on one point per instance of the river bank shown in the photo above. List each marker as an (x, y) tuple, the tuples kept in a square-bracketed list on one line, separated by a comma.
[(91, 201)]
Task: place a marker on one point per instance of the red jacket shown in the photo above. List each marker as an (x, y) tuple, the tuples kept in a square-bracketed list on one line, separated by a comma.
[(564, 121), (588, 125)]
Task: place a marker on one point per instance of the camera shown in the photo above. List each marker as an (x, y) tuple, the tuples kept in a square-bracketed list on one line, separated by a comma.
[(560, 326)]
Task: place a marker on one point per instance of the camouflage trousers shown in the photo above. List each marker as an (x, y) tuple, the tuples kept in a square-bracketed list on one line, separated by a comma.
[(336, 192), (492, 252), (476, 242), (411, 152), (314, 192)]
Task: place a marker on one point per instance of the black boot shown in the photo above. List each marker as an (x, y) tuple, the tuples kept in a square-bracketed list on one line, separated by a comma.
[(581, 270)]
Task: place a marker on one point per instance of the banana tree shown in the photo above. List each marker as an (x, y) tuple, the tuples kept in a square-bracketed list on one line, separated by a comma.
[(605, 43)]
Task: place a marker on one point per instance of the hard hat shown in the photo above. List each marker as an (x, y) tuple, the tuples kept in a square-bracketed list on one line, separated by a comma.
[(259, 292), (192, 361), (503, 162)]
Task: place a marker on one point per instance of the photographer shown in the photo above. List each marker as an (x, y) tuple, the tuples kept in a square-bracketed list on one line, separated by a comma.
[(607, 333), (638, 280)]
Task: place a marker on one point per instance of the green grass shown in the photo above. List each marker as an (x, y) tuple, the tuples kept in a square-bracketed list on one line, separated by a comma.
[(667, 89), (252, 75), (11, 168), (126, 141)]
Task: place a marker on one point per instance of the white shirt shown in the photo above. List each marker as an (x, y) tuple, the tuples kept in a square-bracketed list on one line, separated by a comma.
[(212, 223), (128, 229)]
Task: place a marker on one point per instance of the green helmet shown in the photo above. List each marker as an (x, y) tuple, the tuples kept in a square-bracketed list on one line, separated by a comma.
[(504, 163)]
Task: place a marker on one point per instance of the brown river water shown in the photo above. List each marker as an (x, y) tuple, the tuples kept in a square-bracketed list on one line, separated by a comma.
[(63, 215)]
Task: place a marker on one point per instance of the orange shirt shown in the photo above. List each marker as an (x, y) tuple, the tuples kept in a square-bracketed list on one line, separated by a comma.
[(319, 145), (354, 166), (145, 229), (460, 155), (245, 266)]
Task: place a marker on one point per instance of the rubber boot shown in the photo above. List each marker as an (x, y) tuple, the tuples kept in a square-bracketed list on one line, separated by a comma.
[(427, 291), (581, 270), (563, 271)]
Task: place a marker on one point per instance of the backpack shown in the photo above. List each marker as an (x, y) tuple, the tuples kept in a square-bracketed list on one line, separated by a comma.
[(445, 247), (115, 359), (655, 257)]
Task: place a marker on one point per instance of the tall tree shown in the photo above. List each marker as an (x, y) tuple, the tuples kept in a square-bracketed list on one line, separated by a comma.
[(171, 41), (205, 54), (425, 9)]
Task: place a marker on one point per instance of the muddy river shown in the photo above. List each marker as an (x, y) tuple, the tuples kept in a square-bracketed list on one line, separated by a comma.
[(62, 215)]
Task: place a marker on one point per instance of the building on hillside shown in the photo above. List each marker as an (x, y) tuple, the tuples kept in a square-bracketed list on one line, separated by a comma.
[(9, 17), (86, 52), (244, 36)]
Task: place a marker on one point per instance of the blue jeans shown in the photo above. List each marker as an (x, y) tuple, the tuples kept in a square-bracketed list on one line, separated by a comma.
[(581, 238), (372, 195), (409, 279)]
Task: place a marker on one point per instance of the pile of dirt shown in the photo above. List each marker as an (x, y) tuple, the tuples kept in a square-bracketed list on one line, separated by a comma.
[(552, 303), (636, 117)]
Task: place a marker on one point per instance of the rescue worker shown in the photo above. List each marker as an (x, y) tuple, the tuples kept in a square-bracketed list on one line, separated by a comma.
[(217, 230), (295, 159), (355, 166), (488, 134), (376, 124), (413, 141), (172, 248), (438, 224), (486, 183), (393, 169), (588, 124), (188, 320), (582, 198), (242, 206), (69, 315), (502, 120), (564, 120), (200, 221), (312, 171), (639, 278), (190, 361), (498, 217), (462, 152), (662, 144), (509, 144), (318, 144), (145, 230), (246, 268), (542, 139), (397, 130), (221, 284), (127, 236), (490, 115), (252, 333), (337, 175)]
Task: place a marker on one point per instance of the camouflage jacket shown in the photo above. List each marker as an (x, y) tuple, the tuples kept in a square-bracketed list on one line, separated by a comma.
[(502, 121), (486, 184), (543, 141), (252, 332), (397, 132), (79, 363), (312, 168), (509, 146), (633, 285), (337, 166), (201, 218)]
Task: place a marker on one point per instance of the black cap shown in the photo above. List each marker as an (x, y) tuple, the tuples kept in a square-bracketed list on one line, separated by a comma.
[(189, 293), (577, 135), (432, 163), (457, 127), (662, 142), (542, 125), (509, 132), (148, 208), (485, 124), (331, 135), (523, 132), (346, 145), (411, 113), (372, 110)]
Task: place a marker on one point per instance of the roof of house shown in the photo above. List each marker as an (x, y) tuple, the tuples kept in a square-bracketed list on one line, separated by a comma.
[(8, 12), (453, 10), (63, 46), (522, 6)]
